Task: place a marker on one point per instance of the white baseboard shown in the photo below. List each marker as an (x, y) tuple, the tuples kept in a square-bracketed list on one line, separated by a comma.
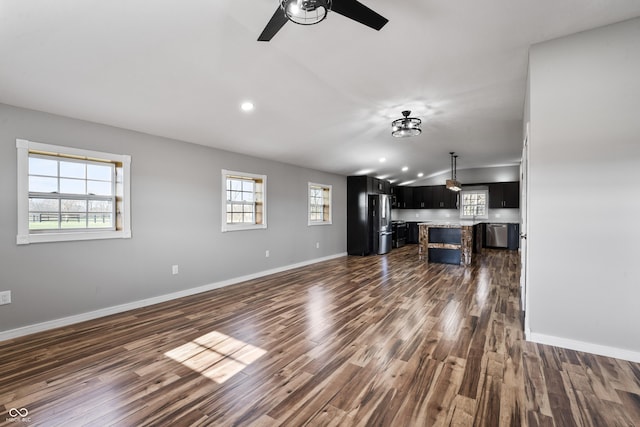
[(82, 317), (587, 347)]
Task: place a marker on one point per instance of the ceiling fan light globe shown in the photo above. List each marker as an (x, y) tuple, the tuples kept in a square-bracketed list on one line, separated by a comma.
[(405, 132), (306, 12), (294, 9)]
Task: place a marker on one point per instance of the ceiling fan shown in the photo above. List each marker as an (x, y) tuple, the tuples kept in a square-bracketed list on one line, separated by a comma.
[(309, 12)]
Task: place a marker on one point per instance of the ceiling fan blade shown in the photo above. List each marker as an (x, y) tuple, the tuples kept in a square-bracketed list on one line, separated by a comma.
[(355, 10), (273, 26)]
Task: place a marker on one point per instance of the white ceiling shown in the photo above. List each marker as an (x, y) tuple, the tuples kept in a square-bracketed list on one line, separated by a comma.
[(325, 95)]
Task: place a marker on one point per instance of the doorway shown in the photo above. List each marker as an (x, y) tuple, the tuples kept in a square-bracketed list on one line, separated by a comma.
[(524, 229)]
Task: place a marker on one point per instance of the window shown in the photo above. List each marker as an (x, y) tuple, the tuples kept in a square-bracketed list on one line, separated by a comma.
[(319, 204), (244, 201), (474, 204), (71, 194)]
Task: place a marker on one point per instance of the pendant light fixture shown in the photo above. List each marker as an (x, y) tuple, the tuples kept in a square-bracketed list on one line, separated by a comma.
[(305, 12), (407, 126), (453, 184)]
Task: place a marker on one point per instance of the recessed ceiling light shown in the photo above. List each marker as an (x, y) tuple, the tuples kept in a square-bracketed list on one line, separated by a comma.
[(247, 106), (382, 159), (420, 175), (364, 172), (405, 168)]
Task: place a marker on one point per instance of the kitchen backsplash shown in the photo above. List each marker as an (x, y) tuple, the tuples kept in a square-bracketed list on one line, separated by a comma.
[(495, 215)]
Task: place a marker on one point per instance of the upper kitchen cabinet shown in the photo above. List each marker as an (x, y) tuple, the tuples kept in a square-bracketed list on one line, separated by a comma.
[(403, 197), (422, 197), (437, 197), (442, 198), (378, 186), (386, 187), (504, 195)]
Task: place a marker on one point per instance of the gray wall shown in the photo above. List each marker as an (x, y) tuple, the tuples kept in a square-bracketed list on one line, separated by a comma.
[(584, 165), (176, 209)]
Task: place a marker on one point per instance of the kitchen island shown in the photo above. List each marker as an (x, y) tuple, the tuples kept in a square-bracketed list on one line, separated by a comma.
[(449, 243)]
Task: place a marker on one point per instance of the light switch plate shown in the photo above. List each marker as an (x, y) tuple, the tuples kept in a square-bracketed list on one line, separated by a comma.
[(5, 297)]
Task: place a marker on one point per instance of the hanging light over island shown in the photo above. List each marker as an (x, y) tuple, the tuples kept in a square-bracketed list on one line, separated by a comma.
[(453, 184)]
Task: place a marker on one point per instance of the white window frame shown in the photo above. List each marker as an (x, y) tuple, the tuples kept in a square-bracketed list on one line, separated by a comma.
[(225, 227), (486, 198), (323, 187), (25, 236)]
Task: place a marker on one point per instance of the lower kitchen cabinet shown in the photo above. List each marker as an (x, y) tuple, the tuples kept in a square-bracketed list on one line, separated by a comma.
[(412, 232), (513, 237)]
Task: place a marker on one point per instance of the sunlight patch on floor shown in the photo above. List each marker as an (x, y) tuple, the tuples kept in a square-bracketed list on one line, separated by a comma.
[(216, 356)]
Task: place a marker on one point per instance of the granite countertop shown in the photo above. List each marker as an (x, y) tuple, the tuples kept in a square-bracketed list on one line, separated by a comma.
[(450, 224)]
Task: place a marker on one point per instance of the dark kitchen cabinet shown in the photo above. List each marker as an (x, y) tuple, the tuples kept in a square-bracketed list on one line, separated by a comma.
[(438, 197), (373, 185), (386, 187), (394, 197), (442, 198), (357, 210), (421, 197), (436, 194), (424, 197), (435, 197), (495, 195), (403, 197), (513, 236), (412, 232), (378, 186), (504, 195), (511, 195), (451, 199)]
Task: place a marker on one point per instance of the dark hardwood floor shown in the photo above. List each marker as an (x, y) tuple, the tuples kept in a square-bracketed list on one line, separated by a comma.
[(375, 341)]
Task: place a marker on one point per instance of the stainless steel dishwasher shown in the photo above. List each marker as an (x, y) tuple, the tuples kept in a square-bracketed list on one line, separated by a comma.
[(497, 236)]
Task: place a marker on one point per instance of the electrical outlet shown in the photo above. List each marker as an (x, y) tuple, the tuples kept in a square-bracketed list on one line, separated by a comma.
[(5, 297), (174, 269), (317, 245), (266, 253)]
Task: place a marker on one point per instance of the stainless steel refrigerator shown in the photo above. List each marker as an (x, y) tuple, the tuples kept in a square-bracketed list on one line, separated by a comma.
[(380, 223)]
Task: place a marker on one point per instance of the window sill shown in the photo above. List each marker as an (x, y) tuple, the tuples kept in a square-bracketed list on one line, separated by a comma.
[(26, 239), (310, 224), (227, 228)]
